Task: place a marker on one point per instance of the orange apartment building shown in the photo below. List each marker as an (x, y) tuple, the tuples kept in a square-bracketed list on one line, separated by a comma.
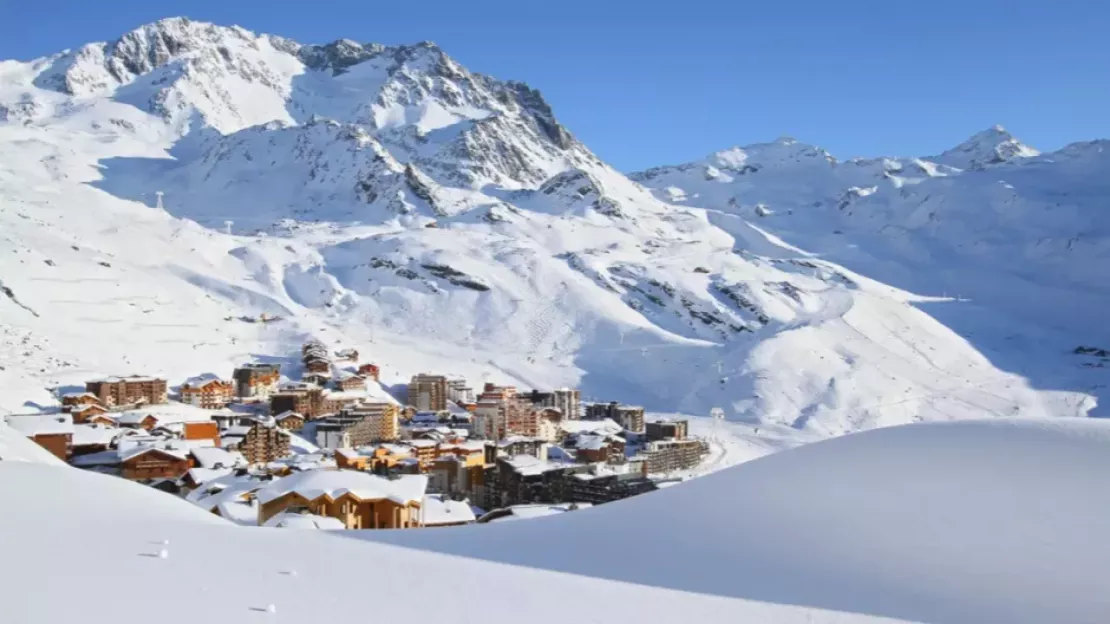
[(128, 390), (207, 394)]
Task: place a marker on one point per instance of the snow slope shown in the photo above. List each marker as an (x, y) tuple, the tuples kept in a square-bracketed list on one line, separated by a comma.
[(979, 521), (968, 522), (388, 199)]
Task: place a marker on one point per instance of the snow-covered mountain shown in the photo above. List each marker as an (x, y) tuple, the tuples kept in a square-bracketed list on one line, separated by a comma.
[(437, 219)]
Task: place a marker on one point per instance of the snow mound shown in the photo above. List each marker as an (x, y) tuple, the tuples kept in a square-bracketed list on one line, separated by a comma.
[(978, 521)]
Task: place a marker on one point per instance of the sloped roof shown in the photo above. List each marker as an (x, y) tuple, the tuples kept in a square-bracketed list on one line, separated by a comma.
[(211, 457), (305, 521), (313, 484), (437, 511), (41, 424)]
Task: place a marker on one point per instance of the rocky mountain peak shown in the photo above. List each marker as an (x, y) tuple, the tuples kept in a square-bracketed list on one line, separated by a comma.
[(992, 146)]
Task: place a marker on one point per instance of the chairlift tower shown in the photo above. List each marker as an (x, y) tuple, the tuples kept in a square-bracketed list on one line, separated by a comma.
[(717, 415), (228, 224), (158, 200)]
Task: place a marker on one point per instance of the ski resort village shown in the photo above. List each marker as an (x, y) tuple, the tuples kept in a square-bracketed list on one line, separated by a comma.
[(284, 326), (334, 450)]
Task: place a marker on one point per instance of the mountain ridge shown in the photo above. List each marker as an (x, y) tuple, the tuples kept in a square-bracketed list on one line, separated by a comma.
[(683, 291)]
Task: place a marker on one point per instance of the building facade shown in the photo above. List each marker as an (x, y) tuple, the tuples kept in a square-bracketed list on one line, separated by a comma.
[(428, 393), (264, 443), (128, 390), (210, 394), (256, 380), (667, 430), (359, 425), (669, 455)]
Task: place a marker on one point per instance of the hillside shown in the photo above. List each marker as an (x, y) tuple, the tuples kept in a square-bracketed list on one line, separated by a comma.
[(956, 522), (389, 199)]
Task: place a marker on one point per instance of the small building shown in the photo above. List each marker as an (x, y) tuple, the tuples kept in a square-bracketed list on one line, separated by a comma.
[(317, 365), (79, 399), (347, 354), (351, 382), (290, 420), (438, 511), (92, 438), (154, 462), (370, 371), (600, 448), (83, 414), (53, 432), (317, 379), (358, 499), (202, 431)]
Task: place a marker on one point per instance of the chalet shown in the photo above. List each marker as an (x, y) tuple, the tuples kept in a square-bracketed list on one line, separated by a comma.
[(154, 462), (370, 371), (137, 420), (351, 382), (79, 399), (53, 432), (317, 365), (207, 393), (437, 511), (380, 459), (290, 420), (347, 354), (132, 390), (93, 412), (359, 500)]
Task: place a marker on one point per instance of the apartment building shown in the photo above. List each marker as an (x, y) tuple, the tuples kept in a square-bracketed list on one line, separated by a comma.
[(495, 420), (669, 455), (128, 390), (207, 393), (667, 430), (459, 393), (264, 443), (359, 425), (256, 380), (428, 393)]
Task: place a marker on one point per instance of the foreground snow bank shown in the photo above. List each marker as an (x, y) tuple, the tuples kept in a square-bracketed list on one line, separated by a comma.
[(999, 521)]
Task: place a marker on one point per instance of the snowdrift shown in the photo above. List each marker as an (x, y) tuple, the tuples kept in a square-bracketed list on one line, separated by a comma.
[(981, 521), (997, 521)]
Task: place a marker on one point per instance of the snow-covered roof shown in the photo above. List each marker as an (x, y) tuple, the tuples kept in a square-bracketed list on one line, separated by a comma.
[(103, 458), (213, 457), (524, 512), (422, 443), (603, 426), (84, 435), (465, 445), (200, 476), (79, 395), (241, 512), (528, 465), (41, 424), (166, 414), (305, 521), (436, 511), (169, 448), (288, 414), (313, 484), (133, 379)]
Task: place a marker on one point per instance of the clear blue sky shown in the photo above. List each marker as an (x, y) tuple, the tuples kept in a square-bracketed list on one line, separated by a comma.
[(650, 82)]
